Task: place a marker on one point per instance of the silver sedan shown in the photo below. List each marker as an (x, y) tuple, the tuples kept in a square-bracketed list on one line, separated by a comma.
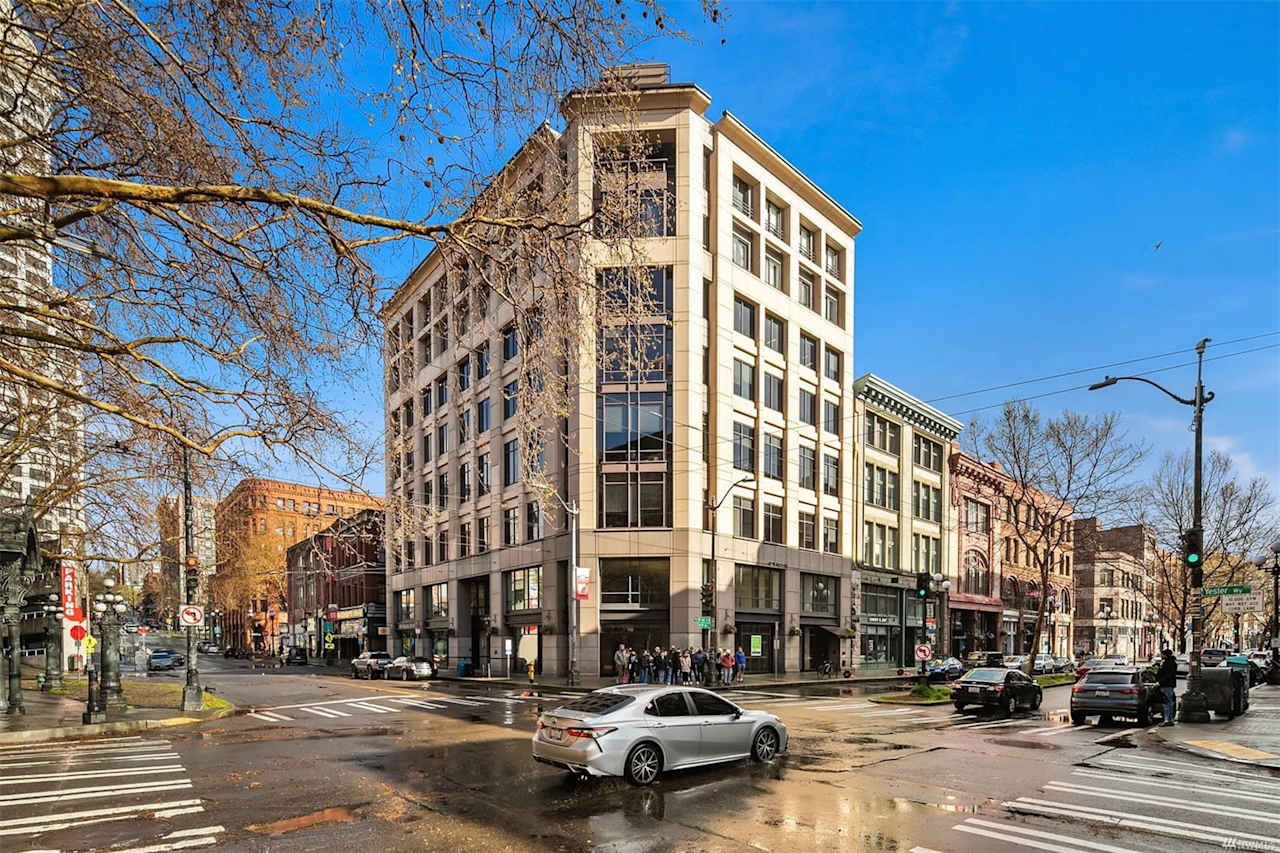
[(639, 730)]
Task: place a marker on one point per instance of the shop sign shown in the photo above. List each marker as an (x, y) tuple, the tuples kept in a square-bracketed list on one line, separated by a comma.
[(70, 610), (351, 613), (879, 619), (757, 645)]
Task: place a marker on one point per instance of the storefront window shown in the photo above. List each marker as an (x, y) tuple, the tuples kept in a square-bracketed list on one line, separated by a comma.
[(818, 594), (758, 588), (522, 588), (437, 600), (635, 582)]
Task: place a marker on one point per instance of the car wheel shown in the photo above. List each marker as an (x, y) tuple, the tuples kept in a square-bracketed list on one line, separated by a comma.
[(1010, 705), (1035, 703), (354, 673), (1144, 715), (404, 675), (1077, 718), (959, 706), (644, 763), (765, 745)]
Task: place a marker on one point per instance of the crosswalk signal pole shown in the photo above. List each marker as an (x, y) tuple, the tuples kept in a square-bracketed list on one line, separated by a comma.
[(192, 692)]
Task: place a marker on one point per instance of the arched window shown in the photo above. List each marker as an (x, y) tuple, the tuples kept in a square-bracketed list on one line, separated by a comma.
[(975, 579), (1065, 597), (1011, 592), (1033, 595)]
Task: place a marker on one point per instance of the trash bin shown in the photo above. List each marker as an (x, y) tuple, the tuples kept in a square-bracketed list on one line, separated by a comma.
[(464, 669), (1225, 690)]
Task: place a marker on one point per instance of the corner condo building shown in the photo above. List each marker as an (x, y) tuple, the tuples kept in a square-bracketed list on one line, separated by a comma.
[(714, 488)]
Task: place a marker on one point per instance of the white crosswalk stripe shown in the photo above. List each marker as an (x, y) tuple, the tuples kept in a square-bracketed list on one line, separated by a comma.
[(369, 706), (40, 810), (1145, 795)]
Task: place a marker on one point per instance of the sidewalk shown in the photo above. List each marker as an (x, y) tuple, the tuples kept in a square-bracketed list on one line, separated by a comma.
[(1251, 738), (54, 717), (756, 682)]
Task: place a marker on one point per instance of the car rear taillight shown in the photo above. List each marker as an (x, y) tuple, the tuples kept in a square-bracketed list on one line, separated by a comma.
[(1082, 671), (1128, 691), (997, 687), (590, 732), (1077, 689)]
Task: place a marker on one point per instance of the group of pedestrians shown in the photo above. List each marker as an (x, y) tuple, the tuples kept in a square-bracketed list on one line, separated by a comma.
[(675, 666)]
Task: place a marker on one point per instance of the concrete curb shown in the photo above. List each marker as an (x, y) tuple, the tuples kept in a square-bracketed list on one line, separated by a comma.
[(122, 727), (884, 700), (1205, 753)]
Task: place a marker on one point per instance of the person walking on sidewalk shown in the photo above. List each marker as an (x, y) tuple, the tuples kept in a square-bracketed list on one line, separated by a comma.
[(1167, 678), (620, 663)]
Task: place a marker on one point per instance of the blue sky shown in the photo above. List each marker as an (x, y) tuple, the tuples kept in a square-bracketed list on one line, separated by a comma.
[(1014, 167)]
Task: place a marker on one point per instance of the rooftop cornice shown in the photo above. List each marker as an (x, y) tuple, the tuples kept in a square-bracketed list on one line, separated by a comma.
[(889, 397)]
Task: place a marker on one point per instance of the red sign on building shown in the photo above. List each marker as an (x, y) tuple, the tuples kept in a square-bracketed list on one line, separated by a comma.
[(70, 605)]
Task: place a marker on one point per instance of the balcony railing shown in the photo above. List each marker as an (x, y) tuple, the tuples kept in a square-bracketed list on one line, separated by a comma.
[(743, 205), (806, 252)]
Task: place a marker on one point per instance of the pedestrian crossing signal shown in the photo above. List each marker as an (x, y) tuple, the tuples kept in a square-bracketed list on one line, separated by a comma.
[(1192, 546)]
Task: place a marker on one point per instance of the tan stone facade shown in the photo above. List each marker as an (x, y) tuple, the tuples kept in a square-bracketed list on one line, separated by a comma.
[(1112, 576), (904, 521), (758, 276)]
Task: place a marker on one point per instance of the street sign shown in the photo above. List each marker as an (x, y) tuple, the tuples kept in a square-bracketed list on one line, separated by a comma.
[(1247, 603), (924, 651), (704, 622), (77, 632), (191, 615), (1237, 589), (90, 643)]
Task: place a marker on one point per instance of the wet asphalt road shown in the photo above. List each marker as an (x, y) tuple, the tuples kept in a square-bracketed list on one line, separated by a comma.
[(326, 763)]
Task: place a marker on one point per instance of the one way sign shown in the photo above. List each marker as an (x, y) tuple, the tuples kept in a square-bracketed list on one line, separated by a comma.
[(191, 615)]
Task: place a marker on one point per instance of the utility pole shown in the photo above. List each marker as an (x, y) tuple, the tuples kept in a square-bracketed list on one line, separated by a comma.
[(192, 692), (1195, 706), (573, 511)]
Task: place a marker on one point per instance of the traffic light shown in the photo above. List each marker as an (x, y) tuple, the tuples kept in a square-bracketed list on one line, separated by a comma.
[(1192, 543), (193, 583), (922, 584), (708, 598)]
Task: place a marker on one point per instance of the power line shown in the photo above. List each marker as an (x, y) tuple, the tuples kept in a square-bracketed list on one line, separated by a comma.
[(1098, 367), (1146, 373)]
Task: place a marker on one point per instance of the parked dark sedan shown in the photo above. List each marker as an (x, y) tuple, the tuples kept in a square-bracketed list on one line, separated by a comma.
[(976, 659), (1122, 691), (1002, 688), (946, 669), (410, 668)]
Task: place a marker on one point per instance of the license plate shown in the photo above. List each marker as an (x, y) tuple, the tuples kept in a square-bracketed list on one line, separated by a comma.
[(553, 734), (1102, 693)]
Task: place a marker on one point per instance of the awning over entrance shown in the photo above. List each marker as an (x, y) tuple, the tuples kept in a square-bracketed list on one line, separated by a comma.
[(838, 632)]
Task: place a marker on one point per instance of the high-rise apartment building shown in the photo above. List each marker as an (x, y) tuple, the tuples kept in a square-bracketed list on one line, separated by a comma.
[(746, 403), (255, 524)]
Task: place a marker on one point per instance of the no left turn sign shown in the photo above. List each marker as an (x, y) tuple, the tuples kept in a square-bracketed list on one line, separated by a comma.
[(191, 615)]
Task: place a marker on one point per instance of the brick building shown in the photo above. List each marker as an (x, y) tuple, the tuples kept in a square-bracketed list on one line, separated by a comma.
[(977, 498), (256, 523), (1115, 591), (339, 577), (1021, 580)]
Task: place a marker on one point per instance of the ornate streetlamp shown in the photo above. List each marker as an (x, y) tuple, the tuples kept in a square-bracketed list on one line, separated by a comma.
[(110, 608), (1273, 674), (52, 644), (1106, 614)]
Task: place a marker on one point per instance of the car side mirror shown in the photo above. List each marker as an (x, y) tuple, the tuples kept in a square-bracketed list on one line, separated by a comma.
[(737, 713)]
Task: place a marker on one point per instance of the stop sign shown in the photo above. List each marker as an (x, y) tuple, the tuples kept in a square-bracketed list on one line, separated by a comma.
[(77, 632)]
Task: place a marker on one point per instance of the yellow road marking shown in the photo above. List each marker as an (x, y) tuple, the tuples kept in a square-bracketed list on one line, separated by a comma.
[(1234, 750)]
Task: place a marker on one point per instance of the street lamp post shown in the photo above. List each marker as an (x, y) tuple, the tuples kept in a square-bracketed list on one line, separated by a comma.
[(1106, 614), (192, 692), (714, 508), (52, 644), (571, 508), (1195, 706), (110, 607), (1273, 674)]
